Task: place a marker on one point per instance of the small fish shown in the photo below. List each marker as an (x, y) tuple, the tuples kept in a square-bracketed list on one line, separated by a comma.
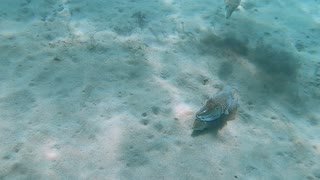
[(219, 104), (230, 6)]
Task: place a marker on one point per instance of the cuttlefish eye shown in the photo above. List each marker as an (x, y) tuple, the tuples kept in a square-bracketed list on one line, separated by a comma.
[(204, 111)]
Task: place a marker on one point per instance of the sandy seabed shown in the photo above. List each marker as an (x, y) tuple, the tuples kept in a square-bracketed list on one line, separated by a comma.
[(108, 89)]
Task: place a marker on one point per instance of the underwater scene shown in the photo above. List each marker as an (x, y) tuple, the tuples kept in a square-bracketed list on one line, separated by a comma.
[(160, 89)]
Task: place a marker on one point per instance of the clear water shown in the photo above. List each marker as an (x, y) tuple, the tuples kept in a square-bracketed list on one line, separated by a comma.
[(107, 89)]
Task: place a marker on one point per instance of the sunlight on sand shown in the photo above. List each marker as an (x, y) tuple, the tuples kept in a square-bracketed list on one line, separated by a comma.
[(168, 2), (50, 151), (113, 134), (247, 65), (183, 111), (82, 30), (172, 90)]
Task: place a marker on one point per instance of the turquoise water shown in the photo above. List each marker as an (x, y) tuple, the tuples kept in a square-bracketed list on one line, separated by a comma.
[(110, 89)]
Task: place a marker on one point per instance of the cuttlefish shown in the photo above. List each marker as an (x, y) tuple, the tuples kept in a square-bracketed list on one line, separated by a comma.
[(230, 6), (217, 105)]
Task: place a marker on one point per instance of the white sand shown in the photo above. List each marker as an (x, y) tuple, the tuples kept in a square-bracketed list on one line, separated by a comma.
[(108, 89)]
